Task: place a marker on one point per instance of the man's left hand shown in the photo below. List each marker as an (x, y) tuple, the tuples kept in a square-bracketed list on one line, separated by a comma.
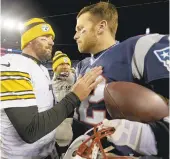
[(137, 136)]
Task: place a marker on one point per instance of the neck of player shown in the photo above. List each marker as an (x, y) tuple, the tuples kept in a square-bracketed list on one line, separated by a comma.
[(103, 45), (30, 52)]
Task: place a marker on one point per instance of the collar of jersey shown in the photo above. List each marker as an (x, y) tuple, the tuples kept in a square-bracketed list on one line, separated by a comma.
[(99, 53), (33, 58)]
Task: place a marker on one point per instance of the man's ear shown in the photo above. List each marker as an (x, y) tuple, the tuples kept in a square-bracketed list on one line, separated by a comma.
[(102, 26)]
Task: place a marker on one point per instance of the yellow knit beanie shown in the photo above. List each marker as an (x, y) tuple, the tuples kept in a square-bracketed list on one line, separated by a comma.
[(60, 58), (34, 28)]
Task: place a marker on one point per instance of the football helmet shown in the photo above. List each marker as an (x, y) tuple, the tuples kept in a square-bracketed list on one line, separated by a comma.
[(90, 147)]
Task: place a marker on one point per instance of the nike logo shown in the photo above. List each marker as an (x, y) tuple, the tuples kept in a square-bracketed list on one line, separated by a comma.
[(7, 65)]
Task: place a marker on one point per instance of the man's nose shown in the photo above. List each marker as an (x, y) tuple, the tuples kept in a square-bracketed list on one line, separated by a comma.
[(51, 42), (75, 36)]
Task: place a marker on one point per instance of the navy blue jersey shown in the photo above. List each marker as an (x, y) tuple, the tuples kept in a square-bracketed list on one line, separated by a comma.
[(141, 58)]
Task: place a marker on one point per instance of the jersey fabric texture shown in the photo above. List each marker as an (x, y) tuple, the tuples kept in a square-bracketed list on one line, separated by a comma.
[(24, 83)]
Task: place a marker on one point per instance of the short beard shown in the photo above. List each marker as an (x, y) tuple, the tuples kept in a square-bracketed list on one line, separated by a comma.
[(42, 54), (46, 57), (91, 43)]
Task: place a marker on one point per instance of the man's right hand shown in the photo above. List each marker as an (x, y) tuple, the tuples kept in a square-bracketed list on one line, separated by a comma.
[(87, 83)]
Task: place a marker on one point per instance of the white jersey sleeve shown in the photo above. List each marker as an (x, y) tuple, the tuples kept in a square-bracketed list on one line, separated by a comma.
[(16, 86)]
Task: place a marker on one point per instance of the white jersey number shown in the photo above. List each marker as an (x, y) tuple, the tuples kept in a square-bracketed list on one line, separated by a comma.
[(96, 116)]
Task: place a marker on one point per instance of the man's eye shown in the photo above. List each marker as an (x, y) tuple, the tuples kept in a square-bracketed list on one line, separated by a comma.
[(44, 39), (83, 31), (79, 29)]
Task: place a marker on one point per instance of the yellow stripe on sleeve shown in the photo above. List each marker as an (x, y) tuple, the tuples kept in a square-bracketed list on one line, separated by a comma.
[(17, 97), (14, 73), (15, 85)]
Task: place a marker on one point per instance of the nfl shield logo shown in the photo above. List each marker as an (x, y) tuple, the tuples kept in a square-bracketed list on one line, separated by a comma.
[(163, 56)]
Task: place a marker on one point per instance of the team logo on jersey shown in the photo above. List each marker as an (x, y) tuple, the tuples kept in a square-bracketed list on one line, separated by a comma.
[(163, 56), (45, 28), (7, 65)]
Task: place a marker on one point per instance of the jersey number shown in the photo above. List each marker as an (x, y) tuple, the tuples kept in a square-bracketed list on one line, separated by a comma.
[(88, 114)]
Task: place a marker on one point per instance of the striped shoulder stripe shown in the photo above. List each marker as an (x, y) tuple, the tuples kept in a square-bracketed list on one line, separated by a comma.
[(14, 73), (17, 97), (17, 92), (141, 49), (15, 85)]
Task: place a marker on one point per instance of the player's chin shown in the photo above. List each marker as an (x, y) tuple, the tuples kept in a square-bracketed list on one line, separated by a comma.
[(48, 55), (82, 50)]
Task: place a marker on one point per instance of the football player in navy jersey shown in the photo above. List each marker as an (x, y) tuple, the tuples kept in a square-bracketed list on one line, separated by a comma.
[(142, 59)]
